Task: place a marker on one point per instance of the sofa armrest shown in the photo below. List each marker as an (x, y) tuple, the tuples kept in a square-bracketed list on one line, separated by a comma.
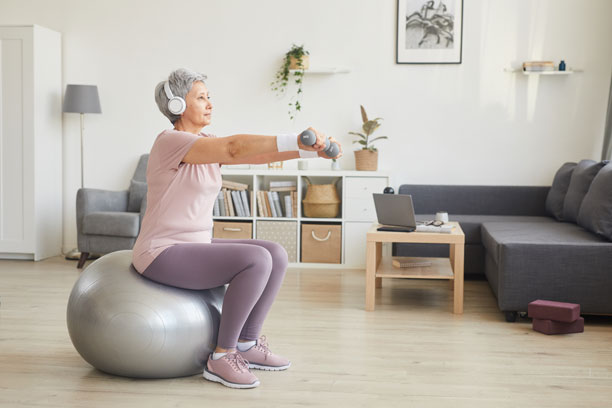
[(93, 200), (477, 200)]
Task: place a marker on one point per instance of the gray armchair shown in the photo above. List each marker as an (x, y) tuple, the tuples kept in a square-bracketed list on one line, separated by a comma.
[(109, 221)]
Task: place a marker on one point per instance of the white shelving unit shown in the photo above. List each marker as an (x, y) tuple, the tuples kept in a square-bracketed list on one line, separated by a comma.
[(356, 214)]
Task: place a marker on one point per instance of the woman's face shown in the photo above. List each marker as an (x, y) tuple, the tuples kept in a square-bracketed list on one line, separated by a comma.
[(199, 107)]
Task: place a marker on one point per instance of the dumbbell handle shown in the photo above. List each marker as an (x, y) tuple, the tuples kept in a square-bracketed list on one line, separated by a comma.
[(309, 138)]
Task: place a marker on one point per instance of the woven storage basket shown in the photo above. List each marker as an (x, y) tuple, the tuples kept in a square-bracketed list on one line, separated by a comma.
[(366, 160), (321, 200)]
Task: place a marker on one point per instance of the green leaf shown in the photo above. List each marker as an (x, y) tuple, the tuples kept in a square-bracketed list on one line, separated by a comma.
[(364, 115), (379, 137), (370, 126), (358, 134)]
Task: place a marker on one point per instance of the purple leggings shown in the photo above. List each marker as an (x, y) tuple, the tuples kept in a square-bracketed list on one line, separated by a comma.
[(253, 268)]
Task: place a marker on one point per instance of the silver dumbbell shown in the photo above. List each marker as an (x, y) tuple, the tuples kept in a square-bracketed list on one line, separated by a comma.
[(309, 138)]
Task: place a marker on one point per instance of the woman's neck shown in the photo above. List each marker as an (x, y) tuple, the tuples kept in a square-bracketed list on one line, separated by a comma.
[(187, 127)]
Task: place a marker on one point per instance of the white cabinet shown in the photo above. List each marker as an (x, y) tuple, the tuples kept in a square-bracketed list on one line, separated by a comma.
[(359, 215), (30, 142), (356, 213)]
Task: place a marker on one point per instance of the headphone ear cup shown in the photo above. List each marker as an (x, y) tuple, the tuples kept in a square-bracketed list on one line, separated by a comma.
[(177, 105)]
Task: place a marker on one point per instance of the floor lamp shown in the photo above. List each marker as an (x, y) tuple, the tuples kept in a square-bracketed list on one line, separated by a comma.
[(81, 99)]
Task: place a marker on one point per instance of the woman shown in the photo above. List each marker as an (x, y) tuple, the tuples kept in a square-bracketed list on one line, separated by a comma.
[(175, 246)]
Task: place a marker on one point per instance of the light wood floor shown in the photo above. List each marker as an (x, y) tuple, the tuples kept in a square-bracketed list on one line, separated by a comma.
[(411, 351)]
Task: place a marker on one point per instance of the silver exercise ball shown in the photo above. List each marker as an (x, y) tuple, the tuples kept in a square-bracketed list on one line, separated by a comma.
[(128, 325)]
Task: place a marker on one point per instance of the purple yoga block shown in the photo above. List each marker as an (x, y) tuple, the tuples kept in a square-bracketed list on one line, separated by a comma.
[(550, 310), (554, 327)]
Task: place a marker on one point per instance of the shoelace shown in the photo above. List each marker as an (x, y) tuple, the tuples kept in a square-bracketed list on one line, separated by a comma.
[(262, 345), (237, 362)]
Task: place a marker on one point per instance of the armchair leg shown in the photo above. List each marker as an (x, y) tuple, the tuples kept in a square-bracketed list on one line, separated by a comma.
[(82, 260)]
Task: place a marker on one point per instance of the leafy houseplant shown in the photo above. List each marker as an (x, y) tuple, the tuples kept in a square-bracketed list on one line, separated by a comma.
[(295, 62), (367, 157)]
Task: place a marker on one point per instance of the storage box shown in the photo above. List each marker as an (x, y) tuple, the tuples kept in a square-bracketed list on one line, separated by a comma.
[(321, 243), (232, 230), (283, 232)]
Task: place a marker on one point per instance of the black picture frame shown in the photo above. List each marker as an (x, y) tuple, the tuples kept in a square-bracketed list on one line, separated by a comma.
[(424, 30)]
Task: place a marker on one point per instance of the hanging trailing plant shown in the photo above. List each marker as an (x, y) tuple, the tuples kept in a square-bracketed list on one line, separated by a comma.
[(295, 62)]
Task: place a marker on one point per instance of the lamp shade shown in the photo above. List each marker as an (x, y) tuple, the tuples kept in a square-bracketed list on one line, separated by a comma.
[(82, 99)]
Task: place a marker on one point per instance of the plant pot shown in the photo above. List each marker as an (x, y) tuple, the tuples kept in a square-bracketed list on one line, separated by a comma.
[(294, 63), (366, 160)]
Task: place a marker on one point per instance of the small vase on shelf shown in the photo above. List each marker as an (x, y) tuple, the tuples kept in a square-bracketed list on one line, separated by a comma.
[(562, 65)]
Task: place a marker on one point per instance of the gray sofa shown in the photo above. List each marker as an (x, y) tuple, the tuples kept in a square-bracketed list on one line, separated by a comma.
[(524, 253), (109, 221)]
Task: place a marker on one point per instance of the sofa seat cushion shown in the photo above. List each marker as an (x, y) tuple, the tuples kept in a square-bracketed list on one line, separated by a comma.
[(117, 224), (553, 235), (471, 224)]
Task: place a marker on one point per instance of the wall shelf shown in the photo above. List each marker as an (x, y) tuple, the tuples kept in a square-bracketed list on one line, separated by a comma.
[(566, 72), (323, 71)]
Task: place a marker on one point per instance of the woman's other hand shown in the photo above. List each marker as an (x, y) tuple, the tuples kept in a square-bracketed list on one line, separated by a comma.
[(325, 156)]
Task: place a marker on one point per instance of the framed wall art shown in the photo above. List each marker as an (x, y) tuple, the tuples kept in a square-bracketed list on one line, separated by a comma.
[(429, 31)]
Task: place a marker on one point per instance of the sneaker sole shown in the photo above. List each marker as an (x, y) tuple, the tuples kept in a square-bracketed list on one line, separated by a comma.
[(269, 368), (215, 378)]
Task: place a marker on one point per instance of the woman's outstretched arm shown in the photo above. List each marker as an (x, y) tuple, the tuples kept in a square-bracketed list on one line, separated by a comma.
[(239, 149)]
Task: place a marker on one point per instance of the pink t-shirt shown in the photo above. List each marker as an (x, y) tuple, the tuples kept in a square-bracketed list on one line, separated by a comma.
[(180, 198)]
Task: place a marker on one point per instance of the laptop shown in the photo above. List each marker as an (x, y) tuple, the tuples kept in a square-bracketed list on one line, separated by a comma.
[(395, 212)]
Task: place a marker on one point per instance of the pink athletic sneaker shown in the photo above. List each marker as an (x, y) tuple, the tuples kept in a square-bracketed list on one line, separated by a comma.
[(260, 357), (230, 370)]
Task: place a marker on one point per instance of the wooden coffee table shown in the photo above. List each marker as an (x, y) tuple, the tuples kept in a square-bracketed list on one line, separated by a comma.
[(451, 268)]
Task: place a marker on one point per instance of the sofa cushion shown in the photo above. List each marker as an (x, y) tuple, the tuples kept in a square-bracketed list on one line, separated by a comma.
[(581, 179), (470, 224), (118, 224), (556, 194), (596, 210), (554, 235), (138, 189)]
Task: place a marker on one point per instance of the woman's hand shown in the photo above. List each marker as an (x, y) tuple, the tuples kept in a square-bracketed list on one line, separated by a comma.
[(332, 140), (318, 145)]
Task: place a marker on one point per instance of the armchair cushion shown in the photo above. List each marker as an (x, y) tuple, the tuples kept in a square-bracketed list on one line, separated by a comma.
[(117, 224), (556, 194), (596, 210), (138, 189)]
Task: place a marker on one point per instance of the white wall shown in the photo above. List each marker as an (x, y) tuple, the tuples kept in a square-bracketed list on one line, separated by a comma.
[(454, 124)]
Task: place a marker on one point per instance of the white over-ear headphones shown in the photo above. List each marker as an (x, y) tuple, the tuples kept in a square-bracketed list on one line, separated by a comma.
[(176, 104)]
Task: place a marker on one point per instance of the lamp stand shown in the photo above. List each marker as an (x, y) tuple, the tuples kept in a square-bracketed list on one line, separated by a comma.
[(75, 254)]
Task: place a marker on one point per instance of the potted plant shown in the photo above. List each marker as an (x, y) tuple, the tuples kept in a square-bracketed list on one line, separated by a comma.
[(295, 62), (367, 157)]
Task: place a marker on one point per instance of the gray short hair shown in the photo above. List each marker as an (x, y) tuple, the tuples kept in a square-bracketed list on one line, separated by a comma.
[(181, 82)]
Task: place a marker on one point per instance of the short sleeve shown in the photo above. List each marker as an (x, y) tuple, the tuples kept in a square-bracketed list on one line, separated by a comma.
[(173, 146)]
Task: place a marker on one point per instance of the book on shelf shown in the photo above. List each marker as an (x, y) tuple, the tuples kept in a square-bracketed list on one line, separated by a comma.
[(288, 188), (277, 203), (407, 262), (267, 204), (270, 202), (216, 212), (260, 204), (288, 206), (233, 185), (230, 205), (245, 203), (284, 183), (537, 66), (237, 203)]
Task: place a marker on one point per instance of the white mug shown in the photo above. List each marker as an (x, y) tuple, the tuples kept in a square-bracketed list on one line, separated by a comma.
[(442, 216)]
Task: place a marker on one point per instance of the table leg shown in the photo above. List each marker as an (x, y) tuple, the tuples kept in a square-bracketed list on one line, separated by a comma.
[(457, 262), (371, 264), (379, 247)]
